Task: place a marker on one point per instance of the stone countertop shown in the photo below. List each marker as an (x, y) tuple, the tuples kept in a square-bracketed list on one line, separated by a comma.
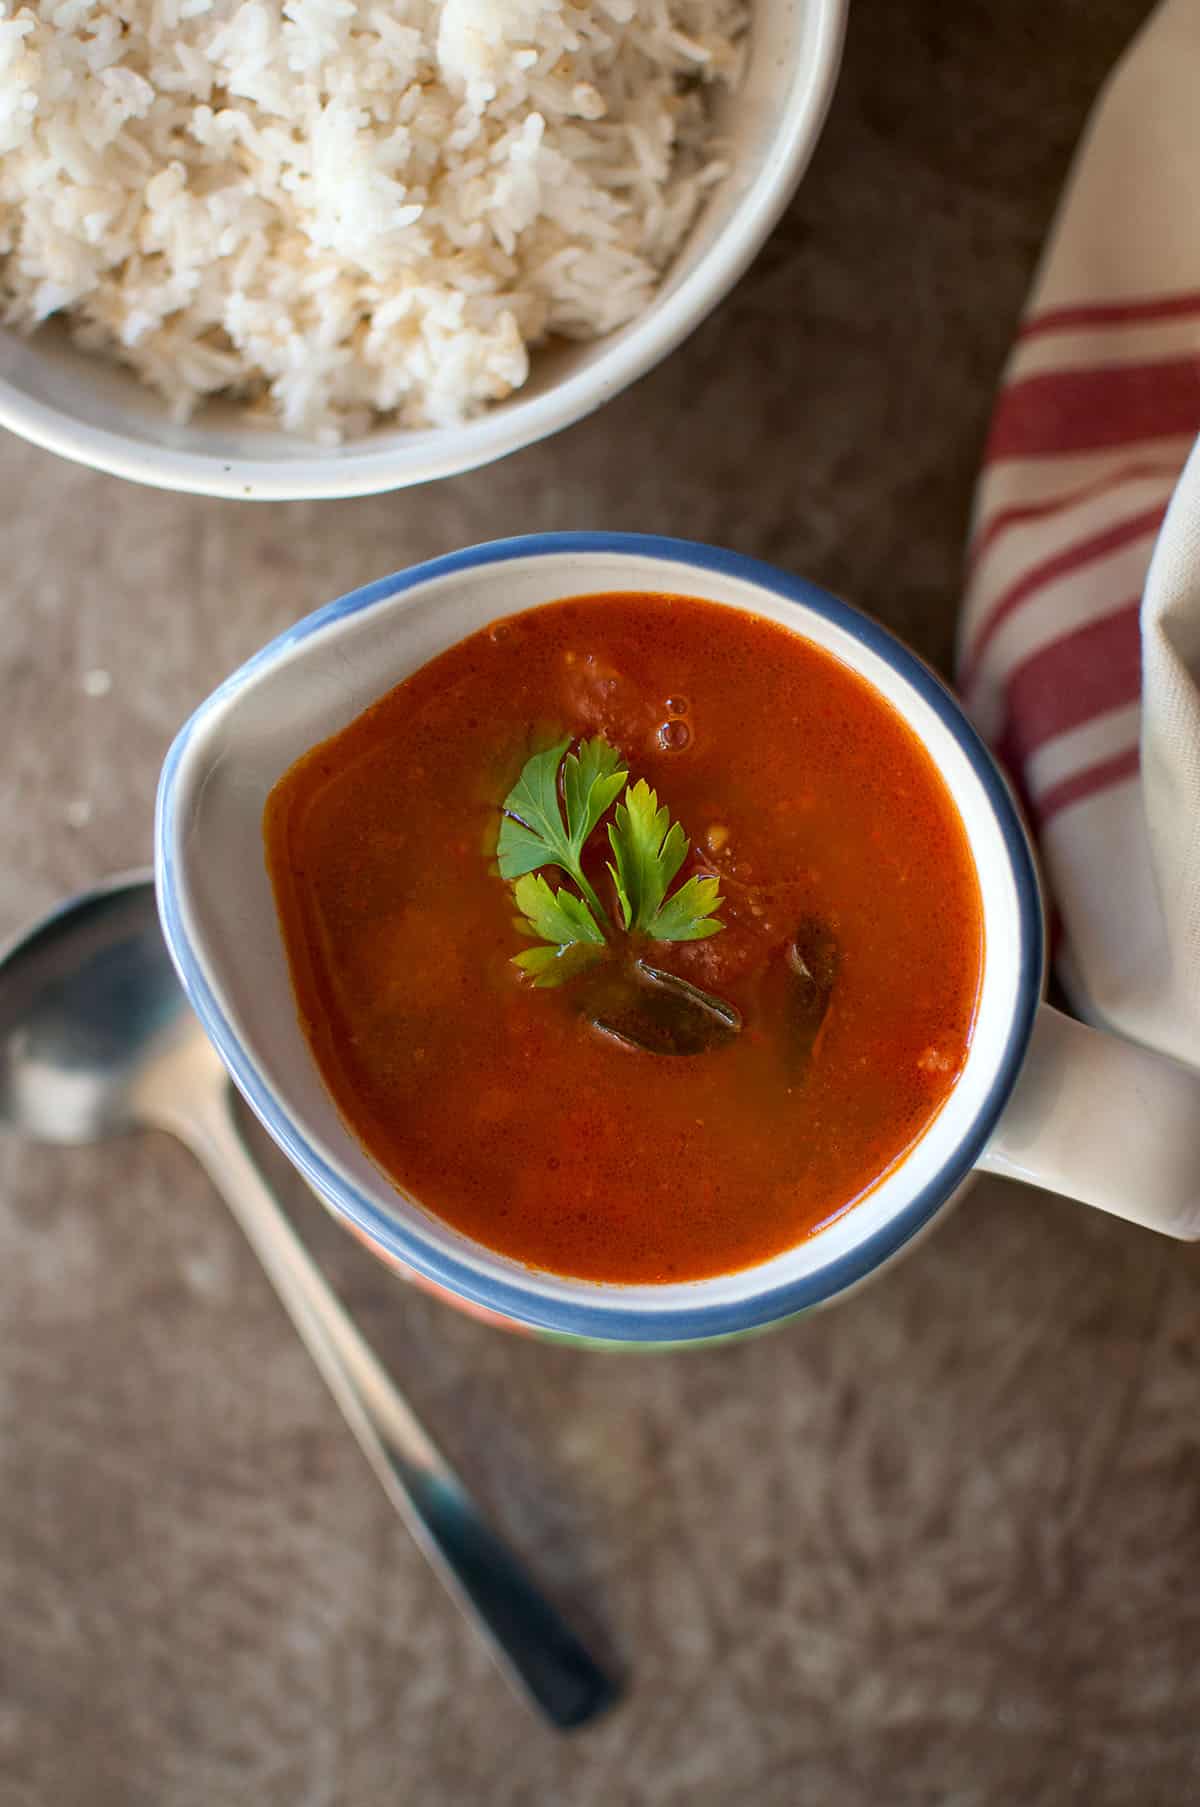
[(937, 1546)]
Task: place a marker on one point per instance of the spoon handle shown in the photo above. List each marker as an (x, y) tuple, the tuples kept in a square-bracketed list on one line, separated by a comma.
[(533, 1647)]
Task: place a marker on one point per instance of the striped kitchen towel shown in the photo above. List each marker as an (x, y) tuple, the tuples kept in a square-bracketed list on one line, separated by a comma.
[(1079, 653)]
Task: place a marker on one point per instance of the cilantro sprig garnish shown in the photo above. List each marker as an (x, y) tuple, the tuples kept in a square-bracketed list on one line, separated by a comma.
[(649, 850), (564, 923), (533, 832), (549, 816)]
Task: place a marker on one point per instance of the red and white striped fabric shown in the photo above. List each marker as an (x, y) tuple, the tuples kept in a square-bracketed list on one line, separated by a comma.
[(1078, 659)]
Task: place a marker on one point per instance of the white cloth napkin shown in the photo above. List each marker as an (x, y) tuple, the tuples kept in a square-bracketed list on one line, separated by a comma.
[(1079, 652)]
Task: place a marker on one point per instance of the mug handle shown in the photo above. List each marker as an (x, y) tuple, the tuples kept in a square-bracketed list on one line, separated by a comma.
[(1105, 1121)]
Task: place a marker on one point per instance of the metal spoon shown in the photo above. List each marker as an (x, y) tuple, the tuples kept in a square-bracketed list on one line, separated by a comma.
[(96, 1037)]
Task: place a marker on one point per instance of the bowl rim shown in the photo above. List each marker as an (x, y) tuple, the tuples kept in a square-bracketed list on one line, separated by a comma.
[(434, 454), (606, 1319)]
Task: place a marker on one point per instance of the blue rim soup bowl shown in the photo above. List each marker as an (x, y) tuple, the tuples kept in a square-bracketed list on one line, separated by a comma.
[(220, 922)]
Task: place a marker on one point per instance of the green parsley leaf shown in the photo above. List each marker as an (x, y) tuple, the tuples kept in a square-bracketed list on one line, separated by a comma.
[(649, 849), (555, 965), (533, 833), (557, 916), (687, 914), (592, 782), (562, 919), (537, 830)]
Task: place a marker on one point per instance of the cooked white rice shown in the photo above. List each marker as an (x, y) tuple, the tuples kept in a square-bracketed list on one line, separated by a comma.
[(341, 209)]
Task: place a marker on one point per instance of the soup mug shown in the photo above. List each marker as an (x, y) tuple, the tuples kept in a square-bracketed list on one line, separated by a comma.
[(1041, 1097)]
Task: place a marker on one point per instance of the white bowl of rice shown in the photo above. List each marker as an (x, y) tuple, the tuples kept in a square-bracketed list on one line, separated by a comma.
[(337, 247)]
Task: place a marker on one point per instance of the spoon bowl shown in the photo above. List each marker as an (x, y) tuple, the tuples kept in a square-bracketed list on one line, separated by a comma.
[(88, 1000)]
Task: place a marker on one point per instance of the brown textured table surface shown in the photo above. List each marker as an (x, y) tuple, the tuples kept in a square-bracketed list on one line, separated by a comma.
[(940, 1545)]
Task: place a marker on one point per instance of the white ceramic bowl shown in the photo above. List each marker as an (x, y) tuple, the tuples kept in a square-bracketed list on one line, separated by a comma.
[(88, 409), (220, 921)]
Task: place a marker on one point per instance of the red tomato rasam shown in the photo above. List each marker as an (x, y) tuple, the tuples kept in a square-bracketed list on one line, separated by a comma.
[(501, 1107)]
